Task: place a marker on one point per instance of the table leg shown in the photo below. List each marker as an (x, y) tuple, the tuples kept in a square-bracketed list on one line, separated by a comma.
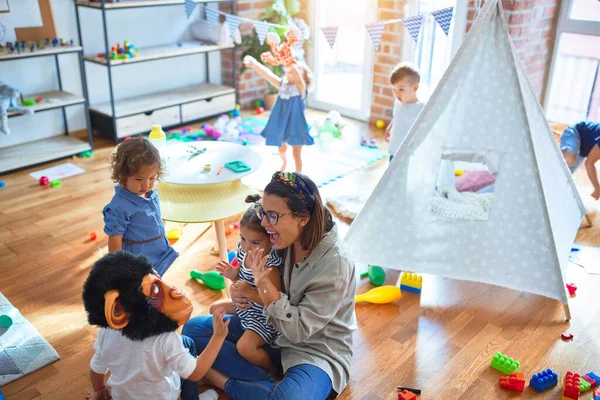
[(222, 243)]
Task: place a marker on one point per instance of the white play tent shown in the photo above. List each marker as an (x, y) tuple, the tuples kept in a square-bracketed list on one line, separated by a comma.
[(483, 110)]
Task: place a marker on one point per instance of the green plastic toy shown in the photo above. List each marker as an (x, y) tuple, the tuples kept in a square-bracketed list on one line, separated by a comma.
[(505, 364), (5, 321), (55, 183), (86, 154), (212, 279), (237, 166), (376, 275), (29, 102)]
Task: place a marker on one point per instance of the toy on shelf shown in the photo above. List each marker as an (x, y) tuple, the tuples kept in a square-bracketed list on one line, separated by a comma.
[(406, 395), (212, 279), (515, 381), (122, 53), (376, 275), (44, 181), (28, 102), (34, 45), (544, 380), (571, 389), (505, 364), (380, 295), (411, 282), (572, 288), (9, 97)]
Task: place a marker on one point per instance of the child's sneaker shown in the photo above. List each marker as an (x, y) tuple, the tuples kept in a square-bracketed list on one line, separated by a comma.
[(368, 142)]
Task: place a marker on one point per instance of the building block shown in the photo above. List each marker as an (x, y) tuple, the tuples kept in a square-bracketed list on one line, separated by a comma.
[(412, 280), (410, 289), (572, 288), (594, 377), (515, 381), (597, 394), (571, 390), (584, 385), (505, 364), (543, 380), (589, 380), (406, 395)]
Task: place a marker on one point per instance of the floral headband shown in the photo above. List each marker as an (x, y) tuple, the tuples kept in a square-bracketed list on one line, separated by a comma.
[(298, 186)]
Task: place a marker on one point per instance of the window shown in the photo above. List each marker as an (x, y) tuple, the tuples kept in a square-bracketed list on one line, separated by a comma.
[(465, 184)]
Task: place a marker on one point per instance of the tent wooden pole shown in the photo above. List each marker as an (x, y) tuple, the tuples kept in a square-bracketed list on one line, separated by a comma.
[(589, 220), (567, 312)]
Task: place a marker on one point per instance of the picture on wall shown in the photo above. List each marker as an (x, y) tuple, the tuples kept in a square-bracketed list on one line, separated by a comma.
[(4, 6)]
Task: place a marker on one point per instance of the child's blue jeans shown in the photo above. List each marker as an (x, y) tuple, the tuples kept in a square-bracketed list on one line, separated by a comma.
[(189, 389), (249, 382)]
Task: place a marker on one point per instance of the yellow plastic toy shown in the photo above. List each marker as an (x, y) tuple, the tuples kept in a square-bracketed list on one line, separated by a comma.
[(459, 172), (380, 295), (380, 124), (174, 235)]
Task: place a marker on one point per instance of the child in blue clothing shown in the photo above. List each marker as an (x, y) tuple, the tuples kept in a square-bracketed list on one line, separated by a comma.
[(579, 144), (132, 219), (252, 316), (287, 123)]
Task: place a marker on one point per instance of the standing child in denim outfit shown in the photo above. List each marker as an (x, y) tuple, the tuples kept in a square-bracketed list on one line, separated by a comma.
[(132, 219), (579, 143)]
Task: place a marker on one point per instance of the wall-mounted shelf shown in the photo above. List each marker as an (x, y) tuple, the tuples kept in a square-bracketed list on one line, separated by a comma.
[(160, 52), (48, 51), (138, 4), (52, 100)]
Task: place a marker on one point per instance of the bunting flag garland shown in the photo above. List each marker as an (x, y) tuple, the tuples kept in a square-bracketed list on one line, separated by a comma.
[(330, 33), (375, 31), (413, 24), (443, 18), (190, 6), (212, 15), (233, 23), (261, 28)]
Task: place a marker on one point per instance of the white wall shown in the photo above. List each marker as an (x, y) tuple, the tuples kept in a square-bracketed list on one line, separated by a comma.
[(142, 27)]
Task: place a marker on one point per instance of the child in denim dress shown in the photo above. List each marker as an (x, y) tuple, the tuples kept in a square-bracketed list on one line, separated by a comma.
[(132, 219)]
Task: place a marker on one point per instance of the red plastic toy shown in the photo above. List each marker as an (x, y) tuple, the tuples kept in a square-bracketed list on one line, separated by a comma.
[(571, 390), (93, 236), (406, 395), (566, 336), (572, 288), (44, 181), (260, 110), (515, 381)]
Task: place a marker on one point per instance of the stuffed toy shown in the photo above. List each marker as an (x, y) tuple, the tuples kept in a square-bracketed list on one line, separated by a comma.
[(9, 102), (281, 53)]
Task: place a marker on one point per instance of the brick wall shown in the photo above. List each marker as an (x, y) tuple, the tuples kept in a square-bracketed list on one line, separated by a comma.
[(251, 87), (532, 25), (388, 55)]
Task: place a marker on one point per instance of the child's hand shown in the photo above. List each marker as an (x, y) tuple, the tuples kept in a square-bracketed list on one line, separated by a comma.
[(227, 270), (103, 394), (249, 61), (243, 288), (388, 132), (256, 262), (239, 299), (220, 326), (596, 194)]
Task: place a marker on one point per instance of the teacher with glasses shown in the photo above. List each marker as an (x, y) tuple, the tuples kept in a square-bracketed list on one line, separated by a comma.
[(314, 310)]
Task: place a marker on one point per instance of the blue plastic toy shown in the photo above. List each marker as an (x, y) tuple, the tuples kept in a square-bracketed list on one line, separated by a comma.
[(2, 184), (236, 113), (544, 380), (231, 256)]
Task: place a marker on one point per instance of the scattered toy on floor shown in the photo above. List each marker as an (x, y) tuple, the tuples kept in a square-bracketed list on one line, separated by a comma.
[(93, 236), (406, 395), (380, 295), (592, 378), (375, 274), (515, 381), (174, 234), (411, 282), (414, 390), (212, 279), (55, 183), (5, 321), (505, 364), (86, 154), (566, 336), (380, 124), (572, 288), (544, 380), (2, 184), (44, 181), (259, 110), (571, 388)]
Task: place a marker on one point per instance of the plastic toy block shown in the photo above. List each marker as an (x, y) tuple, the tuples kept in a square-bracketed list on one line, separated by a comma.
[(571, 390), (505, 364), (566, 336), (543, 380), (410, 289), (515, 381), (584, 385), (589, 380), (412, 280), (2, 184), (594, 377), (572, 288), (406, 395), (597, 394), (55, 183)]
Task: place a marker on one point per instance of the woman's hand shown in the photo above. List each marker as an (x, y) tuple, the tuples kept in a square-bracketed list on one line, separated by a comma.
[(227, 270), (256, 262), (239, 299), (250, 62)]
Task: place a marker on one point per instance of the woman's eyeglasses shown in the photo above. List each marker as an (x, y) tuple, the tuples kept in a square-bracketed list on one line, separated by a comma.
[(272, 216)]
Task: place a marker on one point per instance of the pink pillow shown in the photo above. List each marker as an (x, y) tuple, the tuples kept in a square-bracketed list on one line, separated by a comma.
[(472, 181)]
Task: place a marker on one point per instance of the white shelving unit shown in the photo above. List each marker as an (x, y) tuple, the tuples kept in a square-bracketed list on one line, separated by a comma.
[(130, 116), (38, 151)]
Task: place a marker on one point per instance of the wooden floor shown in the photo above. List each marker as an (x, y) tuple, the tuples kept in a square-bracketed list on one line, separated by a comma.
[(441, 342)]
